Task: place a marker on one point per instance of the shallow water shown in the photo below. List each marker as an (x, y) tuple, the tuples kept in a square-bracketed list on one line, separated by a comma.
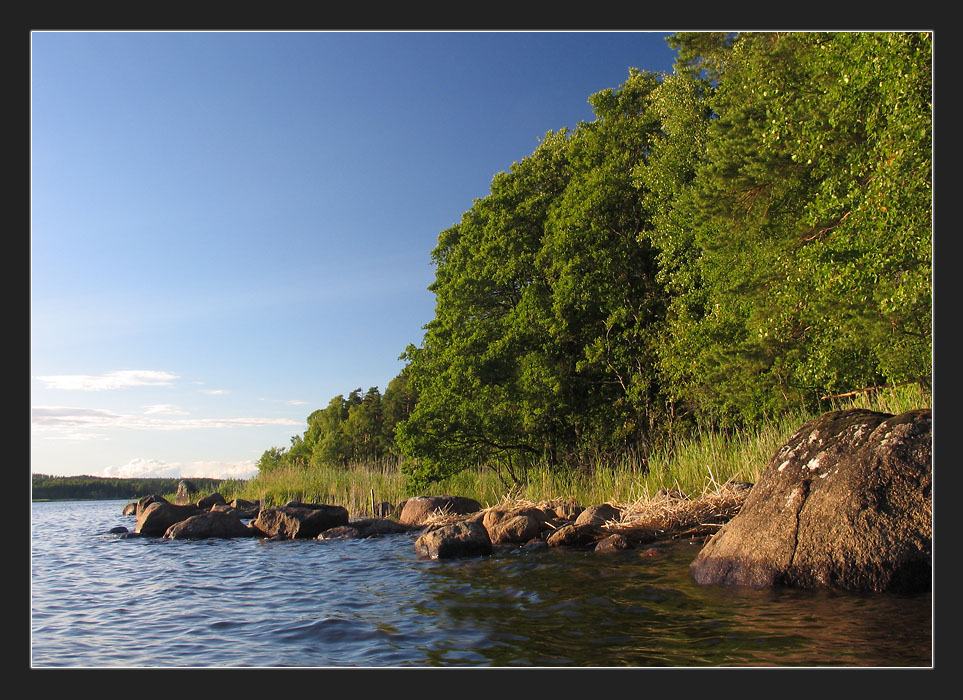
[(99, 601)]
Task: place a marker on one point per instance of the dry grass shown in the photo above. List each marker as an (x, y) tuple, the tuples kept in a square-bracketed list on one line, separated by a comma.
[(666, 516), (647, 519)]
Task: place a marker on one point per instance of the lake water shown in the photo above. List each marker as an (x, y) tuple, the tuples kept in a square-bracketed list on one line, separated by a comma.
[(99, 601)]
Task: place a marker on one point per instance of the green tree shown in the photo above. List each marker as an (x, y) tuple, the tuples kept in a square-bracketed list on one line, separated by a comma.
[(541, 347), (271, 459), (800, 247)]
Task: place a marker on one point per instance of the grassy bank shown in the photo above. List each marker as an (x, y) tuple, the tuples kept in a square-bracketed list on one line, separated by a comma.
[(694, 465)]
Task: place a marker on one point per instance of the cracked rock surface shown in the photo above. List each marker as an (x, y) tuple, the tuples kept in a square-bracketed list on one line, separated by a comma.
[(846, 503)]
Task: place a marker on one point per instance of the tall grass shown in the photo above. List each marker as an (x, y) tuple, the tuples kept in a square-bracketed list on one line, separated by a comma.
[(699, 462)]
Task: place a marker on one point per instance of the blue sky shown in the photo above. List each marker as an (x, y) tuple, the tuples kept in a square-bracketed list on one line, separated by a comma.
[(229, 229)]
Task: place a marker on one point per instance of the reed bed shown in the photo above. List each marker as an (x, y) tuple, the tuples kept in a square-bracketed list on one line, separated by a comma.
[(699, 465)]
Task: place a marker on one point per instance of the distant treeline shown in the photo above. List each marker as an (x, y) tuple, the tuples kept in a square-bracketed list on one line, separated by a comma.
[(52, 488)]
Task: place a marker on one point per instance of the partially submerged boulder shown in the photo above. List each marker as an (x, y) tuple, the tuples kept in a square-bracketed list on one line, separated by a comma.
[(573, 535), (296, 520), (613, 543), (419, 509), (363, 528), (846, 503), (461, 539), (154, 520), (212, 524)]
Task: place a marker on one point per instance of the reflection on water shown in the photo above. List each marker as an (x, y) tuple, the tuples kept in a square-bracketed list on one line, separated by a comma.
[(100, 601), (579, 608)]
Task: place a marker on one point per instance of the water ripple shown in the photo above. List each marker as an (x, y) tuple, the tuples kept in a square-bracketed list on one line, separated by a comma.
[(102, 601)]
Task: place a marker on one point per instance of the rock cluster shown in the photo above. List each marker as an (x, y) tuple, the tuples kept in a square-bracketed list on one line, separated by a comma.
[(845, 503)]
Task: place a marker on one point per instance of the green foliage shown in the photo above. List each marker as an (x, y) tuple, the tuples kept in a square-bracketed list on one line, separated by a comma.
[(359, 428), (543, 341), (720, 247), (797, 246)]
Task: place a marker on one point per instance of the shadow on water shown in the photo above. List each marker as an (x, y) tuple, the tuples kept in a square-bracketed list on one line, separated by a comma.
[(574, 608)]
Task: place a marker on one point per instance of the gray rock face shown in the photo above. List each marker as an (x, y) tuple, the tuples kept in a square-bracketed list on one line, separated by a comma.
[(299, 520), (212, 524), (462, 539), (417, 510), (846, 503), (154, 520)]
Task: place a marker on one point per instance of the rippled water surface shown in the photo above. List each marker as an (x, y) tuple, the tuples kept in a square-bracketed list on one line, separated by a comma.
[(101, 601)]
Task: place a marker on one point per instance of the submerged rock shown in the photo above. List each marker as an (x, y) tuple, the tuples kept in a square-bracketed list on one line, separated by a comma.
[(846, 503), (613, 543)]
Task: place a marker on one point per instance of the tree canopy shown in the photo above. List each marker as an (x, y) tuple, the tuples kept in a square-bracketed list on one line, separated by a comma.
[(748, 234)]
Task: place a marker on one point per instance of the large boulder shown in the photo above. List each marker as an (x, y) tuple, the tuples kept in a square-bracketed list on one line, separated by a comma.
[(461, 539), (417, 510), (208, 525), (145, 501), (154, 520), (296, 520), (846, 503)]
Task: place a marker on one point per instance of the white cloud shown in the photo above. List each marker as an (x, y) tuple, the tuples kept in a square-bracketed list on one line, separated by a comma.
[(214, 392), (147, 468), (164, 409), (60, 422), (109, 381)]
